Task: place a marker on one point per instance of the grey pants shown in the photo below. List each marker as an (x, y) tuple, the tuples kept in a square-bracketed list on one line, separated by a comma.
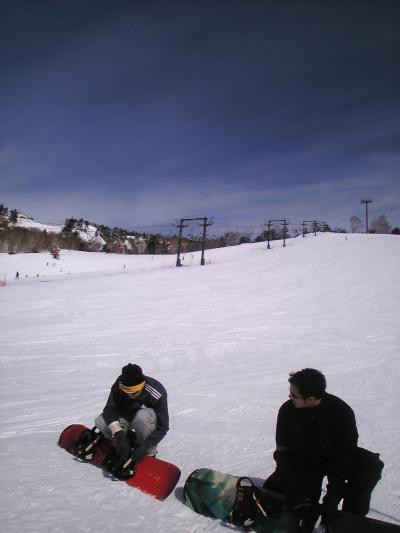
[(144, 423)]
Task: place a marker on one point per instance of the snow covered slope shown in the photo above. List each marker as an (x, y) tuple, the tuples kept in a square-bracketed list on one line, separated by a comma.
[(222, 338), (26, 222), (89, 235)]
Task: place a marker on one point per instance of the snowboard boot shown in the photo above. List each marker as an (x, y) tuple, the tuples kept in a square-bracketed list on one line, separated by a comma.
[(269, 503), (309, 519), (86, 445), (114, 466)]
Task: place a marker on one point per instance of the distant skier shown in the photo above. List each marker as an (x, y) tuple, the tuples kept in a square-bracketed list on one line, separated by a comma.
[(136, 402), (316, 436)]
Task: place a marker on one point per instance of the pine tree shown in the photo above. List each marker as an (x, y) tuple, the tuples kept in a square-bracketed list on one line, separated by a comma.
[(13, 216)]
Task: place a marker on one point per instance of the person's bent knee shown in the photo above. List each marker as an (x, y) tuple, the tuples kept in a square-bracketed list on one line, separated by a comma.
[(144, 423), (146, 416)]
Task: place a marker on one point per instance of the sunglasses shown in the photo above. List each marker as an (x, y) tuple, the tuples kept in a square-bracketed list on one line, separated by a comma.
[(134, 394), (294, 396)]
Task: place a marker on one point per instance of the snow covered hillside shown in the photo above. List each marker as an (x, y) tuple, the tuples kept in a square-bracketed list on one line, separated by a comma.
[(89, 235), (222, 338), (26, 222)]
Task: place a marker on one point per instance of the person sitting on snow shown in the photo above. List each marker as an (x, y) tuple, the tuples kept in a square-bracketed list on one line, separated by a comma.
[(316, 436), (139, 403)]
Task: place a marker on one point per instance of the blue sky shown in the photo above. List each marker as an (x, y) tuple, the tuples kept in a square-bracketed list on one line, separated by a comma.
[(133, 113)]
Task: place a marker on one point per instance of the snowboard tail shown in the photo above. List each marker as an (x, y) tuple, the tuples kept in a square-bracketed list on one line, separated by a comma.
[(153, 476)]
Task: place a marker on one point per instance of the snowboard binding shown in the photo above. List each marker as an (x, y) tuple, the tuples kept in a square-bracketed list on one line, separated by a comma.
[(244, 511), (86, 445), (253, 503)]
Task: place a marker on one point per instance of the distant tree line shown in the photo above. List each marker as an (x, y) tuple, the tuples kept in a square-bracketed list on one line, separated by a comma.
[(25, 240), (14, 239)]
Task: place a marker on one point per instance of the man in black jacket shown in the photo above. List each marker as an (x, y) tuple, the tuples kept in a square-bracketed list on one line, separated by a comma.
[(316, 436), (136, 402)]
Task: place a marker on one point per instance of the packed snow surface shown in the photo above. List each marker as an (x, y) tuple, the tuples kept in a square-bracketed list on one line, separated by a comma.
[(221, 337)]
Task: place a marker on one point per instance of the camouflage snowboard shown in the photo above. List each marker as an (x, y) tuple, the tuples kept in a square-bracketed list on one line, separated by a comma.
[(213, 494), (216, 495)]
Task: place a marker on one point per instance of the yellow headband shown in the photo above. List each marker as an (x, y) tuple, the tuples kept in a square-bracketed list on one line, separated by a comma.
[(134, 388)]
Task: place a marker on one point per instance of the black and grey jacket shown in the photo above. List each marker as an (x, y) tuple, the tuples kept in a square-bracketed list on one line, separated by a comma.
[(313, 442), (120, 405)]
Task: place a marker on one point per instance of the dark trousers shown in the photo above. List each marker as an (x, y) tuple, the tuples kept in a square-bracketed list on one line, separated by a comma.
[(360, 483)]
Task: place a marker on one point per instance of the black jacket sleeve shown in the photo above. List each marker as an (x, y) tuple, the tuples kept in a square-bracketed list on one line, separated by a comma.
[(284, 453), (344, 448), (113, 408)]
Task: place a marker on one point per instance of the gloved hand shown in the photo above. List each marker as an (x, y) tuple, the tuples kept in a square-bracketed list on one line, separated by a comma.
[(123, 446), (328, 513), (297, 500)]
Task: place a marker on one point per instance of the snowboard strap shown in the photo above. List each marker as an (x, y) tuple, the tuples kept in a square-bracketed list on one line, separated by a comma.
[(86, 445)]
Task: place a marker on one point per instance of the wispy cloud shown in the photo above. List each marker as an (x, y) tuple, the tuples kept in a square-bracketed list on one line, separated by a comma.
[(334, 201)]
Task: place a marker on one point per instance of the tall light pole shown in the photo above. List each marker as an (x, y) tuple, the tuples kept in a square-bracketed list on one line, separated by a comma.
[(366, 201)]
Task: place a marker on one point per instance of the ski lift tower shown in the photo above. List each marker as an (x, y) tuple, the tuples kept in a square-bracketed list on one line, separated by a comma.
[(181, 225), (205, 223), (314, 226), (285, 231)]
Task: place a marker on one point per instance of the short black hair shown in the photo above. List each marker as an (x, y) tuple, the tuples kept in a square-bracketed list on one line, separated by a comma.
[(310, 382)]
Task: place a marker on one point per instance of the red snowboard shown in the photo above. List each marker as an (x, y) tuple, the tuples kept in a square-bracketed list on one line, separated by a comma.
[(153, 476)]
